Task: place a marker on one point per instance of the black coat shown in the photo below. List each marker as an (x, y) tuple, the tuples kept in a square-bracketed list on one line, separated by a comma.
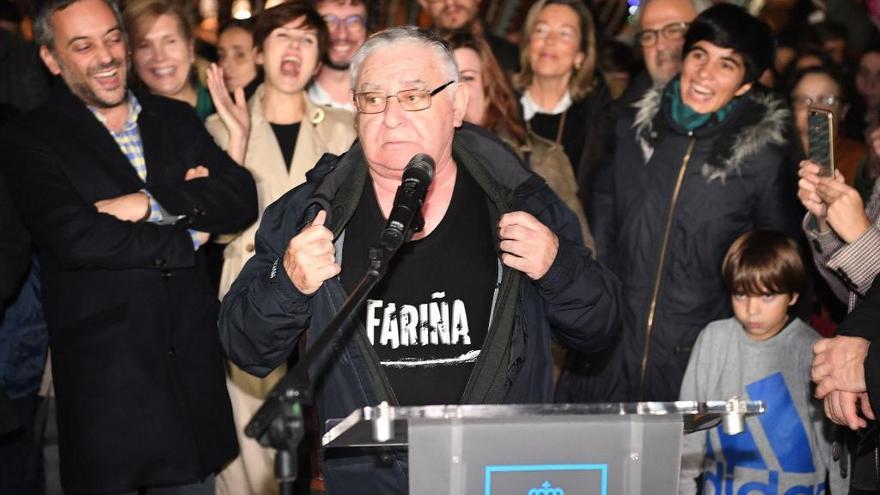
[(264, 314), (137, 362), (735, 181)]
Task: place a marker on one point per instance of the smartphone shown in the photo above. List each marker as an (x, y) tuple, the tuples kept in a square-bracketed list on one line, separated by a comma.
[(820, 126)]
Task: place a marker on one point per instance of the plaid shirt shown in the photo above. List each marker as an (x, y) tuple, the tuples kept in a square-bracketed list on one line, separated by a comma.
[(129, 142)]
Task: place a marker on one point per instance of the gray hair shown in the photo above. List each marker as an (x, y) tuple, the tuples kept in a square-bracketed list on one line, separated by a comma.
[(401, 35), (44, 34), (698, 5)]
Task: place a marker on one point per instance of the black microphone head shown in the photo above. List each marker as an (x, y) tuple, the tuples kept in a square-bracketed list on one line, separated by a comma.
[(420, 164)]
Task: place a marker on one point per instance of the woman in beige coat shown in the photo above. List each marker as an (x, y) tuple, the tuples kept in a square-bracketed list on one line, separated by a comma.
[(278, 136)]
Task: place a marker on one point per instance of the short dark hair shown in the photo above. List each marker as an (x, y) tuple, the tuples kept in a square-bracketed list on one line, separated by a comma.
[(763, 262), (729, 26), (281, 14), (243, 24), (830, 70), (44, 33)]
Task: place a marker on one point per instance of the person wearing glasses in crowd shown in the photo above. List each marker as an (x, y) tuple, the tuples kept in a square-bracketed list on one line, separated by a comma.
[(561, 95), (844, 234), (498, 249), (697, 163), (823, 87), (347, 24)]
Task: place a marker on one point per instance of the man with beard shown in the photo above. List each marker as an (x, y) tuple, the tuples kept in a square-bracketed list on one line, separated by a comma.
[(347, 23), (118, 190), (455, 15)]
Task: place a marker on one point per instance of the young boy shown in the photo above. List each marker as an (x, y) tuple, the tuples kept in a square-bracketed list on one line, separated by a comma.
[(760, 354)]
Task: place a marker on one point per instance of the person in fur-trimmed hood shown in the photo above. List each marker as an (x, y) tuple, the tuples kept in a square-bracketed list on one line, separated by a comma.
[(697, 163)]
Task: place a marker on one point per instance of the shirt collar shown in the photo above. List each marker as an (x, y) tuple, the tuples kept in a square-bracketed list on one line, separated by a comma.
[(530, 108), (134, 109)]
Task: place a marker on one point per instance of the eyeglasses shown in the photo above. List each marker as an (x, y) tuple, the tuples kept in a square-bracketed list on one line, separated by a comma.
[(803, 101), (674, 31), (352, 22), (411, 100)]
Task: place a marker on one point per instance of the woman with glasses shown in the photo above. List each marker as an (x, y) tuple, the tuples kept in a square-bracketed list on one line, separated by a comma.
[(288, 134), (697, 163), (823, 87), (844, 232), (561, 94)]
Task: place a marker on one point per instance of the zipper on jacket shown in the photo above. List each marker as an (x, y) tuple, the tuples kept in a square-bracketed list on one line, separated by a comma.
[(649, 327)]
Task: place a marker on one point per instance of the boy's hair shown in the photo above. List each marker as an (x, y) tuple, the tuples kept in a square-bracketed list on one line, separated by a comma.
[(763, 262)]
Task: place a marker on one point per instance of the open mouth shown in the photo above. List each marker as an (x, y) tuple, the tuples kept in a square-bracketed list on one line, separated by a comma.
[(108, 78), (290, 66)]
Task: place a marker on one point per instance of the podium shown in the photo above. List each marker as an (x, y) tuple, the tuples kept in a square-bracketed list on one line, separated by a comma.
[(547, 449)]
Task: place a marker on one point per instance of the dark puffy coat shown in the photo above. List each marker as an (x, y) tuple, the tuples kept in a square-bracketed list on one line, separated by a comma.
[(264, 315), (734, 181)]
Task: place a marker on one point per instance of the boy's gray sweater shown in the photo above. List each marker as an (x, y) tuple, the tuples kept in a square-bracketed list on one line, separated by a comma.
[(786, 447)]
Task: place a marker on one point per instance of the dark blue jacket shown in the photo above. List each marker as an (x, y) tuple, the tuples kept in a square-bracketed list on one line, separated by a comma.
[(264, 315), (24, 339)]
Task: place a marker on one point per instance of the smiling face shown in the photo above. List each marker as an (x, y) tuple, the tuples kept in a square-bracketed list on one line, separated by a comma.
[(451, 14), (348, 30), (711, 77), (392, 137), (237, 57), (554, 43), (163, 56), (763, 315), (89, 53), (289, 56), (470, 71)]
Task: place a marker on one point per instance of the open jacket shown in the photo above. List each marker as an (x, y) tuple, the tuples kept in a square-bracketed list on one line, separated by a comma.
[(264, 315), (322, 130), (665, 211), (137, 364)]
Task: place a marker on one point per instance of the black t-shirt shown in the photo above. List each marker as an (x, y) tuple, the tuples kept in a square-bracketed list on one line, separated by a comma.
[(429, 316), (286, 135)]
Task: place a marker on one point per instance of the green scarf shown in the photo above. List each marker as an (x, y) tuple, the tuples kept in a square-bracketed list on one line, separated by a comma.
[(687, 117)]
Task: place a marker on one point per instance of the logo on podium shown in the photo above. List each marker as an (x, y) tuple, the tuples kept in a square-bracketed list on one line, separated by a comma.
[(533, 479), (546, 489)]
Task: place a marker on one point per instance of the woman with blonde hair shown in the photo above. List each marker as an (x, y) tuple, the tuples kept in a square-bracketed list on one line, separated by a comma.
[(561, 94), (163, 51), (492, 105)]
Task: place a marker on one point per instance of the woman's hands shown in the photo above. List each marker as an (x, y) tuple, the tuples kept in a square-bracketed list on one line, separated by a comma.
[(234, 114), (832, 202)]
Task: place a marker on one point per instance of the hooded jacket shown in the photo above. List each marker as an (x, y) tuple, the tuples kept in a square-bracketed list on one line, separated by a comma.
[(666, 212), (264, 315)]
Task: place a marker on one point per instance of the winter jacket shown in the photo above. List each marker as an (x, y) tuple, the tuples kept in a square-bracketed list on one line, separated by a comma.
[(264, 315), (665, 213)]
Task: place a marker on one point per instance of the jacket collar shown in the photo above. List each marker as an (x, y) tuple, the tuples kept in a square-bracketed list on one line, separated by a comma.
[(339, 182), (757, 122)]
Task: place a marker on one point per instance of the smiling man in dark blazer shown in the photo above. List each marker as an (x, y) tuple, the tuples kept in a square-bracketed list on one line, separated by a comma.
[(119, 189)]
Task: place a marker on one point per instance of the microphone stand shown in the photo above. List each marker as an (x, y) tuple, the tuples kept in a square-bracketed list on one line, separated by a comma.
[(279, 422)]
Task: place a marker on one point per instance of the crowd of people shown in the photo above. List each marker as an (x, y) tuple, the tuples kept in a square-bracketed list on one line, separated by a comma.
[(613, 217)]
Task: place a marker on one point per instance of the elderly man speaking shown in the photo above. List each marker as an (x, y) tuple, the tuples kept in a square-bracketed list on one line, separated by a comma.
[(466, 312)]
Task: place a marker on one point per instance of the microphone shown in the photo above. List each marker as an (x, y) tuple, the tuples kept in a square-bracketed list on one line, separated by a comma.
[(406, 214)]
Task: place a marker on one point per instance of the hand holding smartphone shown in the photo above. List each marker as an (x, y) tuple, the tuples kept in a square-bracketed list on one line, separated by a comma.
[(820, 128)]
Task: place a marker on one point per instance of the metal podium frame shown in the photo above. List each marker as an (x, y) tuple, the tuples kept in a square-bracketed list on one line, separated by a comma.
[(540, 449)]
